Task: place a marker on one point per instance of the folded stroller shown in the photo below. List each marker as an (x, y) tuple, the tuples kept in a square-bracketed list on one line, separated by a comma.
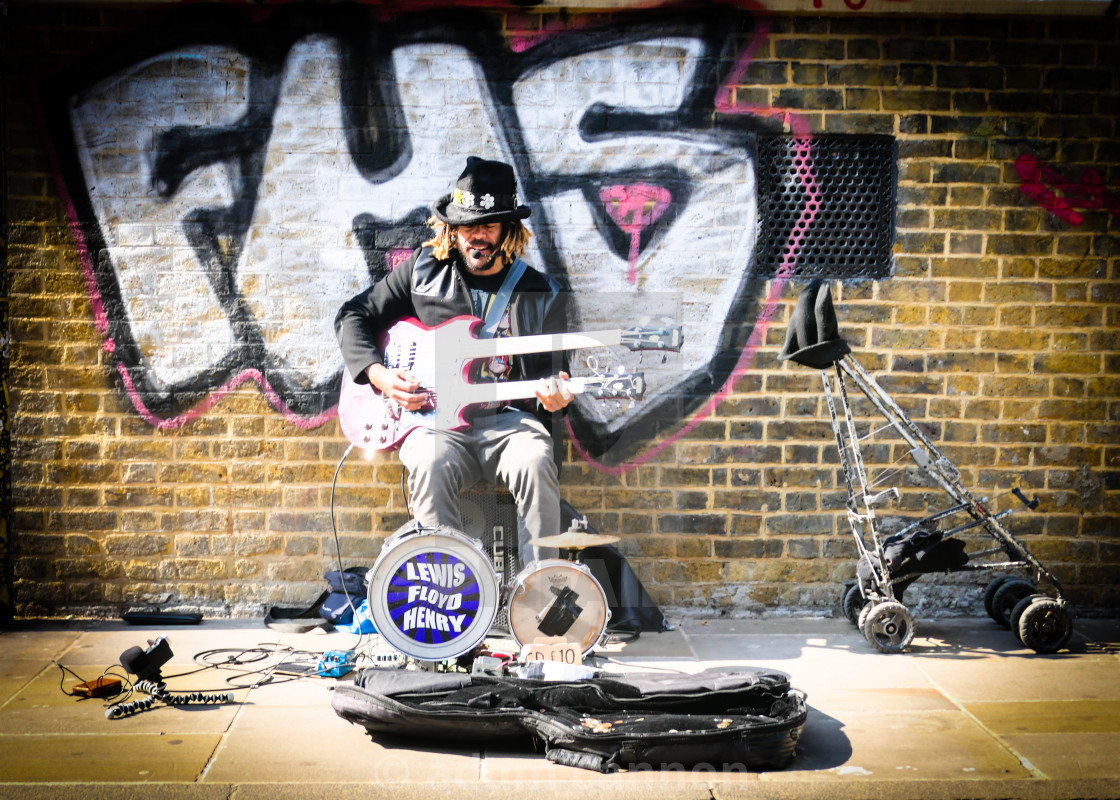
[(1027, 598)]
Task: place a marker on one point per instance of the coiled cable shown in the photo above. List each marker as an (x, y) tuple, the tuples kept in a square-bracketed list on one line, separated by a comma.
[(157, 690)]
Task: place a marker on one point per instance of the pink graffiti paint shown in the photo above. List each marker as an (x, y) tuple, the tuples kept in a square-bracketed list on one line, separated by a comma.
[(724, 102), (101, 321), (216, 396), (396, 256), (803, 156), (1052, 191), (791, 253), (634, 208), (855, 5)]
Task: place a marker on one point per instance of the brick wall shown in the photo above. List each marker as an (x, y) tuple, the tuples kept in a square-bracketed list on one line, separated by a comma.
[(194, 190)]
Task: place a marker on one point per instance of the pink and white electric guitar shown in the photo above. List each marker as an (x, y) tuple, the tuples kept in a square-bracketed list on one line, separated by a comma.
[(441, 358)]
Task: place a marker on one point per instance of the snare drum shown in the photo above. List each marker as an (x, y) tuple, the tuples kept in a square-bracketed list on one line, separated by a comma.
[(558, 598), (433, 593)]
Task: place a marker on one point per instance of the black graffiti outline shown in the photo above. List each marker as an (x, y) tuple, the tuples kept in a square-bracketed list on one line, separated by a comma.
[(266, 43)]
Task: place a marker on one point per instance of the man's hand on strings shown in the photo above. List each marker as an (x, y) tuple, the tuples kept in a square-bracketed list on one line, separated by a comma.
[(400, 386), (553, 393)]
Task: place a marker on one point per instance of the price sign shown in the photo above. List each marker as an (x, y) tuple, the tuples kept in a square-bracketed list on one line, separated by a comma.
[(551, 648)]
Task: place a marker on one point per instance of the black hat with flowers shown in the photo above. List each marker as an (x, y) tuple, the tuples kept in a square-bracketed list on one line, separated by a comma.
[(486, 192)]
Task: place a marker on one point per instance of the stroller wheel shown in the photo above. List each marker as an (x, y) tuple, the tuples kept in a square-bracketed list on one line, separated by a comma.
[(1017, 613), (852, 603), (990, 593), (1045, 626), (1007, 597), (888, 627), (863, 612)]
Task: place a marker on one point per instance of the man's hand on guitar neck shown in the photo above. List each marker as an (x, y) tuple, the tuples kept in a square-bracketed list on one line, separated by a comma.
[(400, 386), (404, 389), (553, 393)]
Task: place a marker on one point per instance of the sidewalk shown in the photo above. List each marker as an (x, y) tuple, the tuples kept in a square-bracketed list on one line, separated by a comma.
[(965, 712)]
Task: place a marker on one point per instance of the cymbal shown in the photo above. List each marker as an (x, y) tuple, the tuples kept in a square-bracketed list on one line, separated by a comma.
[(574, 540)]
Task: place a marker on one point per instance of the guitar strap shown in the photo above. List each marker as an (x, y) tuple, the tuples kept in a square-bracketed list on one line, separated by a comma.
[(501, 299)]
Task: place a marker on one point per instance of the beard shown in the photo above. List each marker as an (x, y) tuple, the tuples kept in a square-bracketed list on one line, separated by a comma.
[(479, 258)]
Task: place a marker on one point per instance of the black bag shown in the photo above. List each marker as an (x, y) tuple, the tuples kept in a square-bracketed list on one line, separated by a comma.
[(724, 720), (346, 591), (922, 551), (633, 611)]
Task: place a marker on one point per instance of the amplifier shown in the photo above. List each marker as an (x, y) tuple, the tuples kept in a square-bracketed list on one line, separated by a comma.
[(490, 515)]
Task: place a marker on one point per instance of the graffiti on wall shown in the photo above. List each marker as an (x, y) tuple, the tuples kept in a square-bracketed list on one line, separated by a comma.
[(233, 179), (1065, 199)]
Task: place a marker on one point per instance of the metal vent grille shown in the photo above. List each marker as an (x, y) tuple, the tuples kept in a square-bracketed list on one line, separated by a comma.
[(826, 205), (490, 516)]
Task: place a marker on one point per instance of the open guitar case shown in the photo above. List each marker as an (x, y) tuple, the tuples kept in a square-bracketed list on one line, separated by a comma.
[(724, 720)]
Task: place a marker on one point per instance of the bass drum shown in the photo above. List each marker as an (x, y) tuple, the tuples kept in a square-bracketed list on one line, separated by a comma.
[(433, 593), (558, 598)]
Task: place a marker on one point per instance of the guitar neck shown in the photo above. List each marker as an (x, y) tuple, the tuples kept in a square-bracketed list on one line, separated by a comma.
[(541, 343), (507, 391)]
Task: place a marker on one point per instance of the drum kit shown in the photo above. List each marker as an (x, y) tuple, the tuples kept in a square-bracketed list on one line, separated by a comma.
[(434, 593)]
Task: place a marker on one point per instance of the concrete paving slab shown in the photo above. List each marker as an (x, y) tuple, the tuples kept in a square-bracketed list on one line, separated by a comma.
[(287, 690), (114, 791), (121, 758), (911, 745), (528, 766), (813, 662), (16, 674), (1048, 716), (42, 707), (36, 644), (839, 699), (1070, 755), (649, 788), (106, 643), (959, 636), (314, 745), (966, 697), (664, 644), (909, 789), (1025, 677)]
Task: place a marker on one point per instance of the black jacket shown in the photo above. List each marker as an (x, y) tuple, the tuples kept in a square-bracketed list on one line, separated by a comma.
[(433, 292)]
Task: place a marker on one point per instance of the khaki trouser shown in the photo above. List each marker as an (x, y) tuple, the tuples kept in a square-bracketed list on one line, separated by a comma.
[(510, 448)]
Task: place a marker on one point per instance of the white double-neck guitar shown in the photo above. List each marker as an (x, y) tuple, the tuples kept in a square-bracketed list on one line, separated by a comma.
[(441, 358)]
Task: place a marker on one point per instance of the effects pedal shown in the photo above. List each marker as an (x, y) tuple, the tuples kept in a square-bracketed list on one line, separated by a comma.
[(336, 663)]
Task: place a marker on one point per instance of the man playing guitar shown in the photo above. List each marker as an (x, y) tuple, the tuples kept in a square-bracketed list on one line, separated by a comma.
[(471, 267)]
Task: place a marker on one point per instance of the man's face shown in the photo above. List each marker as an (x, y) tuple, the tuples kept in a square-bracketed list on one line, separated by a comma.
[(478, 245)]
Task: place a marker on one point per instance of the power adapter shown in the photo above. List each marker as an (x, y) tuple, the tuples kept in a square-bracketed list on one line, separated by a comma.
[(104, 686)]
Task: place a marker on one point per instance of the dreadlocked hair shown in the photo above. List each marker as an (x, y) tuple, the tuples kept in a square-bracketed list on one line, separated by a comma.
[(515, 238)]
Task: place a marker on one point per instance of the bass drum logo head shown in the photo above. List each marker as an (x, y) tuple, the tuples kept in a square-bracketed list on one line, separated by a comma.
[(433, 593)]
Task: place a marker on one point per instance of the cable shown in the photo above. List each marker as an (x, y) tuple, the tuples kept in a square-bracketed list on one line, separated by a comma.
[(121, 710), (338, 545), (157, 691), (82, 682), (334, 528), (62, 678)]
